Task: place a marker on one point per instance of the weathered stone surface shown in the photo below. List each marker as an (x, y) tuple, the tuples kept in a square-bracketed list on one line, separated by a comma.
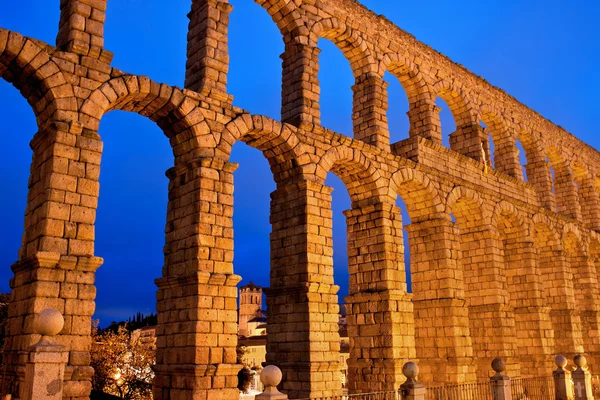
[(501, 266)]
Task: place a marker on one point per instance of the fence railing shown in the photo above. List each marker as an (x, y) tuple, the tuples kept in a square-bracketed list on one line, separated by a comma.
[(561, 385), (532, 388), (365, 396), (466, 391)]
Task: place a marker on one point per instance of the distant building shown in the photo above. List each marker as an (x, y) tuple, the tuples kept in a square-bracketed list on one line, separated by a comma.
[(253, 334), (251, 317), (146, 335)]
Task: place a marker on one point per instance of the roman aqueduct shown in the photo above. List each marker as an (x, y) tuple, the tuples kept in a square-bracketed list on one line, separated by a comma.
[(501, 266)]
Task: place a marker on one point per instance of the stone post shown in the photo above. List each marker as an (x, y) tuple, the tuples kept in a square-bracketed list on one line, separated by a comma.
[(500, 383), (303, 337), (424, 119), (47, 359), (563, 388), (370, 111), (270, 378), (379, 309), (468, 140), (411, 389), (300, 90), (207, 49), (582, 379)]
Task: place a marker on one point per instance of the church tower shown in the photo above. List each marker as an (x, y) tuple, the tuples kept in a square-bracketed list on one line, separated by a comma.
[(250, 306)]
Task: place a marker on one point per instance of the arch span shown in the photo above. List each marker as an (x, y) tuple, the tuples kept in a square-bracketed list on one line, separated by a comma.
[(28, 66)]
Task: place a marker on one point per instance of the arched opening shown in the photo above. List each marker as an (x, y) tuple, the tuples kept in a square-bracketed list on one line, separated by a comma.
[(143, 30), (522, 154), (405, 218), (489, 149), (565, 190), (130, 221), (587, 195), (398, 107), (253, 184), (18, 128), (255, 46), (446, 121), (336, 80)]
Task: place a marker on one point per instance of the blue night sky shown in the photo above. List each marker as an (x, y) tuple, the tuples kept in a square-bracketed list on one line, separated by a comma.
[(543, 52)]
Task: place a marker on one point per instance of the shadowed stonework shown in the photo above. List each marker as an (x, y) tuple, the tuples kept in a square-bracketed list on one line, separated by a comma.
[(500, 267)]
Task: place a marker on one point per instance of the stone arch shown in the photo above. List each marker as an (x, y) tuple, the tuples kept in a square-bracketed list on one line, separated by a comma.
[(467, 207), (29, 68), (508, 221), (457, 100), (418, 192), (589, 200), (408, 74), (565, 189), (422, 114), (278, 143), (505, 155), (285, 14), (481, 269), (516, 252), (349, 41), (361, 178), (173, 110)]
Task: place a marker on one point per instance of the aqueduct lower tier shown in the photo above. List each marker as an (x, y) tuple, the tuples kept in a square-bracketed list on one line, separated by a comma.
[(500, 267)]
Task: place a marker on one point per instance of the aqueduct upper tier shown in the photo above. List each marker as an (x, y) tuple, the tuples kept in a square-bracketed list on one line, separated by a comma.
[(502, 266)]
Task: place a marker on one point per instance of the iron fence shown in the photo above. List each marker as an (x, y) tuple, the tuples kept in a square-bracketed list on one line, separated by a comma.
[(541, 388), (465, 391), (364, 396)]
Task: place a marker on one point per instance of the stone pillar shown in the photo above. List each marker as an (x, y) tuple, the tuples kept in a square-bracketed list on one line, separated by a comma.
[(582, 379), (563, 387), (491, 317), (442, 334), (271, 377), (587, 299), (411, 389), (47, 359), (506, 154), (196, 299), (424, 118), (535, 337), (501, 386), (590, 204), (81, 28), (557, 279), (567, 201), (302, 301), (56, 267), (369, 112), (470, 140), (538, 175), (300, 89), (207, 49), (379, 309)]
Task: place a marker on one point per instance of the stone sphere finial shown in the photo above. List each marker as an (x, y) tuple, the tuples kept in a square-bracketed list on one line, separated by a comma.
[(498, 365), (561, 361), (271, 376), (410, 370), (49, 322), (580, 360)]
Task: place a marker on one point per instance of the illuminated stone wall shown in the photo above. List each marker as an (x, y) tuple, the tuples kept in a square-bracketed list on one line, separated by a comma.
[(500, 267)]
